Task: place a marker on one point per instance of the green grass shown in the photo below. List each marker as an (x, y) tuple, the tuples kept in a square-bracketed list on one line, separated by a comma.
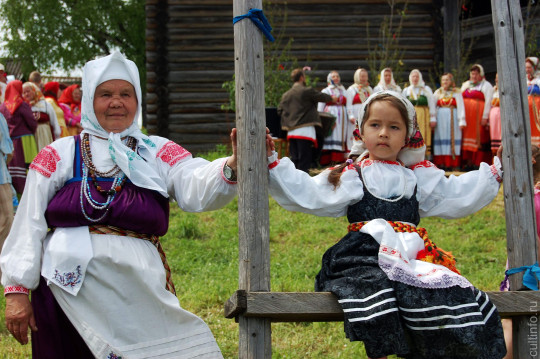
[(202, 250)]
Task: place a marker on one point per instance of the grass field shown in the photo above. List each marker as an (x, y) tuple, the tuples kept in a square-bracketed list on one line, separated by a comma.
[(202, 250)]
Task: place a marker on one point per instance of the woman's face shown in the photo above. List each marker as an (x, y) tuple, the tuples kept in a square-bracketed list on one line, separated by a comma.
[(529, 69), (28, 94), (446, 82), (387, 77), (115, 105), (415, 78), (77, 94), (475, 76), (363, 77), (335, 77)]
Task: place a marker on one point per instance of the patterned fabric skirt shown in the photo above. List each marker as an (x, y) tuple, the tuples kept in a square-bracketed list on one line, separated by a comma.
[(394, 318), (43, 135), (24, 151)]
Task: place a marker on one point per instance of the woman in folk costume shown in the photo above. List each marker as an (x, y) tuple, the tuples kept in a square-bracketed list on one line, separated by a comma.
[(421, 96), (495, 130), (357, 94), (51, 91), (70, 102), (22, 126), (48, 129), (335, 145), (399, 294), (6, 194), (533, 96), (477, 94), (101, 286), (387, 82), (449, 123)]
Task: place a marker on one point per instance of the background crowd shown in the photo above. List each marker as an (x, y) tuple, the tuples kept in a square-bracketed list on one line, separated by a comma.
[(32, 115), (461, 126)]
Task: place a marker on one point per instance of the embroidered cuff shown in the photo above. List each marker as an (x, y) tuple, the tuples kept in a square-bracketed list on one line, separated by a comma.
[(16, 289), (496, 169)]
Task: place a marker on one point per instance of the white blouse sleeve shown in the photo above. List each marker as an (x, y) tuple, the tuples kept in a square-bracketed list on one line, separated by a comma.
[(322, 105), (195, 183), (295, 190), (460, 106), (21, 255), (349, 94), (456, 196), (487, 89), (431, 103)]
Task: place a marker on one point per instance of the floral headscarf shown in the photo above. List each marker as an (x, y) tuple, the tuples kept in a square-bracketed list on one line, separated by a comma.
[(141, 172), (13, 98), (50, 90), (67, 97), (413, 152), (38, 96)]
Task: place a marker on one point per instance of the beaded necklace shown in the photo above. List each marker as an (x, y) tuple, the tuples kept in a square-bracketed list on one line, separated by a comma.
[(89, 168)]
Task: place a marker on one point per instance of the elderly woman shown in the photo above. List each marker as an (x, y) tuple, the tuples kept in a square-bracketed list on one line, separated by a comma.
[(421, 96), (48, 128), (358, 93), (335, 145), (22, 126), (85, 238), (70, 102), (387, 82)]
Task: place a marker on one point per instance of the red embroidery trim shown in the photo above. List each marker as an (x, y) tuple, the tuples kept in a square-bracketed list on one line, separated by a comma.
[(171, 153), (496, 173), (273, 164), (15, 289), (424, 164), (45, 162)]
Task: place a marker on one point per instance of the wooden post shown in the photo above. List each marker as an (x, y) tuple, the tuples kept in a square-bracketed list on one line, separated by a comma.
[(518, 193), (254, 248), (451, 36)]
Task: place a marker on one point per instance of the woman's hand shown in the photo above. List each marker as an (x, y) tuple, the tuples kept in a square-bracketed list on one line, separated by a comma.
[(499, 153), (19, 316)]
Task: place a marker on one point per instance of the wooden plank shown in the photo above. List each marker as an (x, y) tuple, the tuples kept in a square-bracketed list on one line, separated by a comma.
[(518, 190), (324, 307), (253, 218)]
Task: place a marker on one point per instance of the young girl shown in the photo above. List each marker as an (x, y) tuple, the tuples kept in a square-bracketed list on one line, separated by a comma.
[(394, 297)]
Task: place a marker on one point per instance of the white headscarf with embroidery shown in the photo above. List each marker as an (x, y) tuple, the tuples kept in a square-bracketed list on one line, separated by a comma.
[(116, 67), (414, 151)]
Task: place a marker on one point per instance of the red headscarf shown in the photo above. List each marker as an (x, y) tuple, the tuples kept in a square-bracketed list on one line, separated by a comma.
[(50, 90), (13, 98), (67, 97)]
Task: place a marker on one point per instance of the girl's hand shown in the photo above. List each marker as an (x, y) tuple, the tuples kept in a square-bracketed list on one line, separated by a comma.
[(19, 316), (232, 161), (270, 145)]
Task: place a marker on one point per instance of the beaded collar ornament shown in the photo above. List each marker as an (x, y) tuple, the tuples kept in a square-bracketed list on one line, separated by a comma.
[(90, 169)]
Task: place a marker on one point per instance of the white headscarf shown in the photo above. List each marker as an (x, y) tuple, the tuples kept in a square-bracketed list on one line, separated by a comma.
[(331, 83), (414, 151), (116, 67), (421, 82), (382, 84), (482, 73)]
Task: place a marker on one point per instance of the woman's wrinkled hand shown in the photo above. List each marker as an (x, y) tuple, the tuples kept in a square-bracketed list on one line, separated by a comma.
[(19, 316)]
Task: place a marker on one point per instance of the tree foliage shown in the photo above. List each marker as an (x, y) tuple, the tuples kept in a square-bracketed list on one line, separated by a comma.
[(64, 34)]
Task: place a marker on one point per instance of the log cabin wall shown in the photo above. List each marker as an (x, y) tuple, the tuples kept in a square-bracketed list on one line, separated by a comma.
[(190, 54)]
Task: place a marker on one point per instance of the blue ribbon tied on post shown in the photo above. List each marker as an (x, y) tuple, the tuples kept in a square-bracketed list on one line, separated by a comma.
[(530, 277), (258, 18)]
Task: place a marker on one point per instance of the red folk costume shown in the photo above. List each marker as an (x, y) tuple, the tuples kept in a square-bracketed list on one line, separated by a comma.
[(50, 91), (533, 97), (477, 101)]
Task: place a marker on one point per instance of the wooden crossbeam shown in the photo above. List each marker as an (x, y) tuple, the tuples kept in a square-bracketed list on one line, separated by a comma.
[(324, 307)]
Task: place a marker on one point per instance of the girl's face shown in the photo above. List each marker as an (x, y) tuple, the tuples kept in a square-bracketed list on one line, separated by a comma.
[(415, 78), (446, 82), (384, 131), (28, 94), (335, 77), (387, 77)]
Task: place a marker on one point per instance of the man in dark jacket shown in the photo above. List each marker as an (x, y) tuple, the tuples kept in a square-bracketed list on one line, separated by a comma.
[(299, 116)]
